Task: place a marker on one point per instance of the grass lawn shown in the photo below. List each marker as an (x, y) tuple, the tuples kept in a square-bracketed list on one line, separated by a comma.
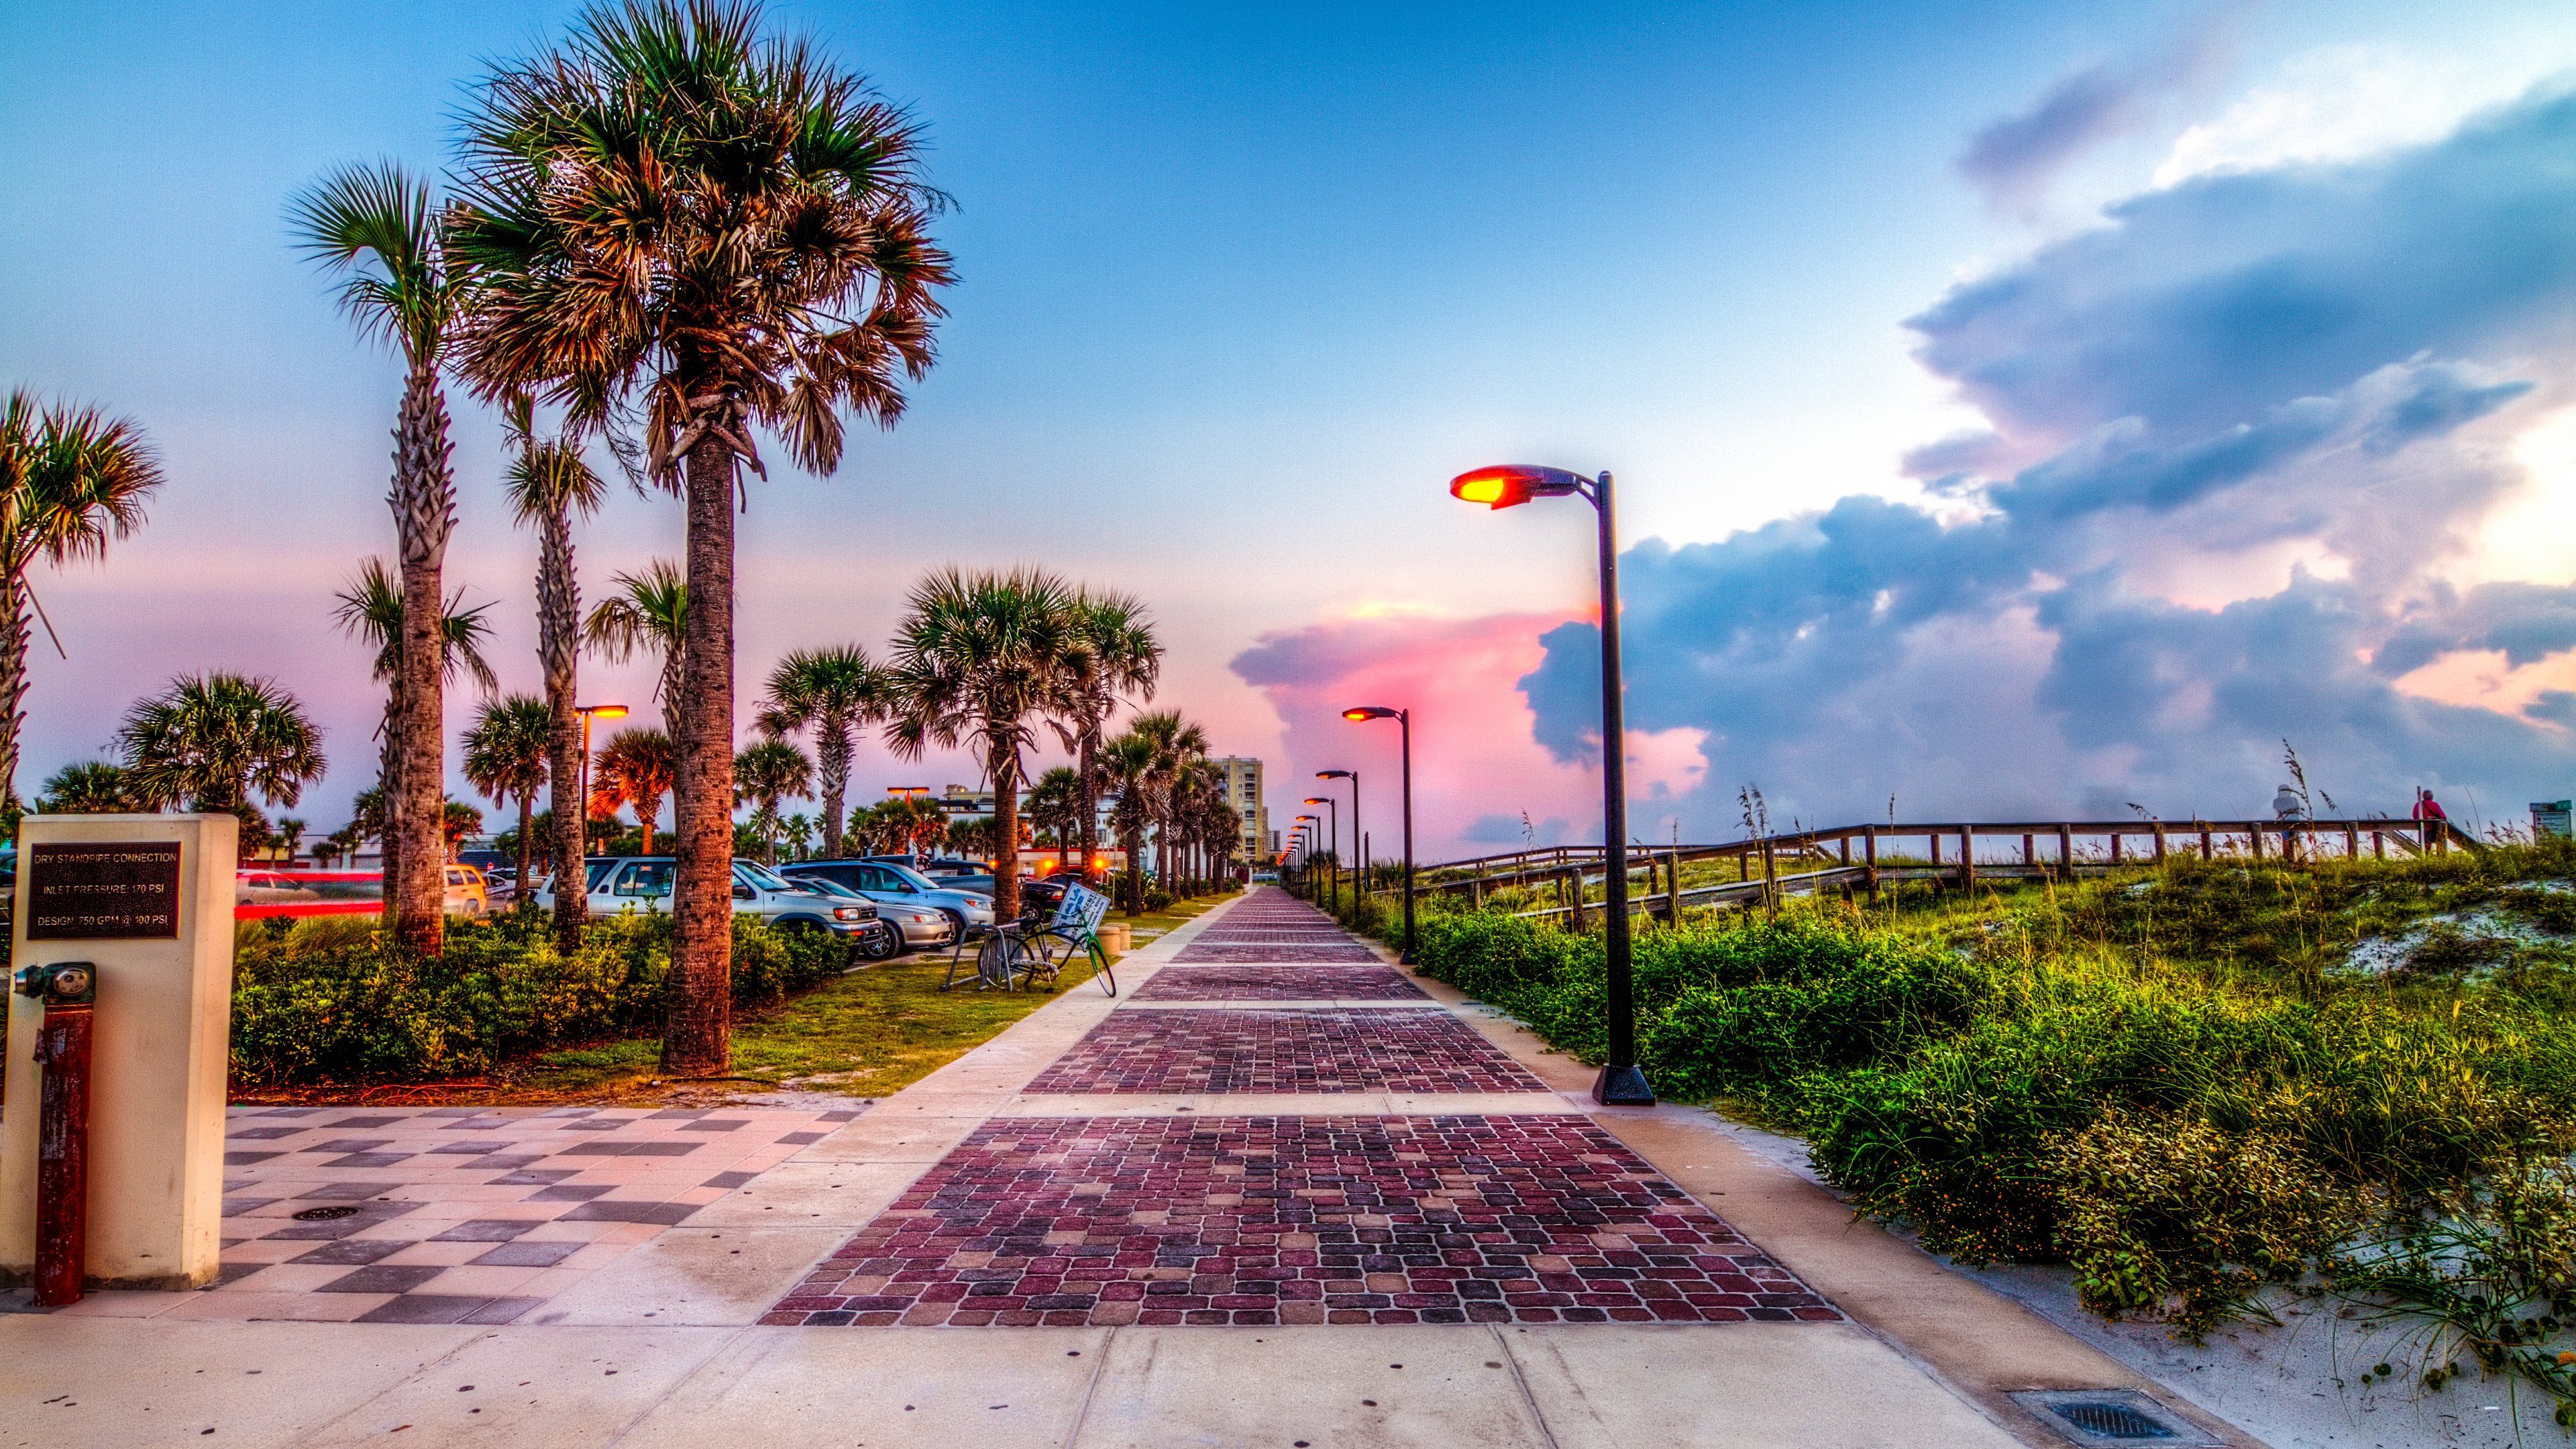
[(870, 1033)]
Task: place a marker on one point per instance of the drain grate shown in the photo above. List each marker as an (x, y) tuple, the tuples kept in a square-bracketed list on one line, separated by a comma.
[(2110, 1421), (2112, 1416), (326, 1214)]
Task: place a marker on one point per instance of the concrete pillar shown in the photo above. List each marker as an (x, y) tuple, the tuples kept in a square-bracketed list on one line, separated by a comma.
[(156, 919)]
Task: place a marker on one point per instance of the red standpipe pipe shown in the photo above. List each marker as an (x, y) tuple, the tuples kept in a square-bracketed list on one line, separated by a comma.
[(62, 1155)]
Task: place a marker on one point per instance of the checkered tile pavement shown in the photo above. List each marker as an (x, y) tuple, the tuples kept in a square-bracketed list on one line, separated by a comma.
[(1268, 1220), (464, 1214), (1272, 982), (1368, 1050)]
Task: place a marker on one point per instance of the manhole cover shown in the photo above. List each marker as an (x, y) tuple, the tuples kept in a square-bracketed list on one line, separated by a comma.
[(326, 1214), (2112, 1416)]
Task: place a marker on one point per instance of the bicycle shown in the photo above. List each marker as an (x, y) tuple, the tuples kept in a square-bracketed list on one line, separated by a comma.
[(1021, 954)]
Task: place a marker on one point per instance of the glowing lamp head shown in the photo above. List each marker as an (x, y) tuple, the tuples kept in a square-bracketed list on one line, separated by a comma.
[(1508, 485), (1314, 800), (605, 711), (1369, 712), (1335, 775)]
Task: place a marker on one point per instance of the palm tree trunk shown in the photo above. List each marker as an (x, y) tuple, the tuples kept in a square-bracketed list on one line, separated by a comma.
[(695, 1035), (1090, 803), (1005, 772), (14, 642), (527, 848), (424, 504), (833, 740), (559, 648), (389, 800)]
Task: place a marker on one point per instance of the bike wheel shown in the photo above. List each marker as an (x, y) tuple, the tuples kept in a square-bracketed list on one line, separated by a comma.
[(996, 961), (1100, 967)]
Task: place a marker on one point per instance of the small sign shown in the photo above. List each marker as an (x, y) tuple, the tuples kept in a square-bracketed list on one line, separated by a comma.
[(103, 891), (1081, 911), (2551, 817)]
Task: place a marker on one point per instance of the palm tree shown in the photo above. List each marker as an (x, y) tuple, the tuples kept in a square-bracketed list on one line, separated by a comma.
[(378, 226), (289, 834), (70, 480), (506, 753), (1115, 653), (978, 659), (798, 832), (1125, 763), (648, 610), (1177, 744), (91, 787), (786, 273), (766, 773), (636, 768), (548, 484), (456, 821), (831, 691), (213, 740), (371, 611), (905, 823), (1056, 804)]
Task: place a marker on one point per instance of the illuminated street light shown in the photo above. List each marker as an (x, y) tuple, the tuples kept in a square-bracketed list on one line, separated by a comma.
[(1359, 861), (1621, 1084), (1404, 724), (588, 712), (1336, 837)]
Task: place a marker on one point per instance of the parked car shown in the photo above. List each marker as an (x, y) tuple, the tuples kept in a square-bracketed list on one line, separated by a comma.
[(467, 894), (886, 937), (626, 883), (889, 884)]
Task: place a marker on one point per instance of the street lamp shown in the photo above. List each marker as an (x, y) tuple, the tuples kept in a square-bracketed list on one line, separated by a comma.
[(1621, 1084), (1335, 868), (1359, 865), (1404, 724), (1306, 828), (588, 712)]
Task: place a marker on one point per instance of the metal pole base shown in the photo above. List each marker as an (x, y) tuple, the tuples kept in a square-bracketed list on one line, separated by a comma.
[(1622, 1087)]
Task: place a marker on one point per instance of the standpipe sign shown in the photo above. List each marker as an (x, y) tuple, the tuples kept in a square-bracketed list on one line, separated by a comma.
[(98, 891)]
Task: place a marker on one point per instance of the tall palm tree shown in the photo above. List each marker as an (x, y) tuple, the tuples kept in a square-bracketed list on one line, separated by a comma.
[(1056, 805), (832, 692), (766, 773), (1125, 764), (371, 611), (289, 835), (506, 757), (1115, 653), (1177, 744), (636, 768), (548, 485), (378, 226), (214, 740), (648, 610), (676, 218), (90, 787), (978, 660), (70, 480)]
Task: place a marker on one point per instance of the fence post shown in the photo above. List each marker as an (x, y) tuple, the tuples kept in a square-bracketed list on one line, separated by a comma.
[(1574, 893), (1673, 886), (1869, 852), (1770, 878), (2378, 845), (2029, 851), (2160, 843), (2204, 843), (2352, 842), (2115, 847), (1967, 858), (2066, 851), (2254, 833)]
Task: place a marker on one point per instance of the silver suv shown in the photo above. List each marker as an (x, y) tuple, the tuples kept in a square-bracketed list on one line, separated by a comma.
[(969, 913), (622, 883)]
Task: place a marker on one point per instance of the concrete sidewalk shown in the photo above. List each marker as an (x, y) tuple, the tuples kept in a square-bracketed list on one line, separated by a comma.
[(665, 1344)]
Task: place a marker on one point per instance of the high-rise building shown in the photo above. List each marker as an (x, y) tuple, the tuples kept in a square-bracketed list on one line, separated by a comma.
[(1243, 791)]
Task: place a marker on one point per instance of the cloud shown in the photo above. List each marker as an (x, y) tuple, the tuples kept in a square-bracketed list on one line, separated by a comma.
[(2013, 160), (2293, 391)]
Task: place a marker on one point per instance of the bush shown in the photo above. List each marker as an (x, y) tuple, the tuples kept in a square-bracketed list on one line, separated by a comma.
[(332, 1000)]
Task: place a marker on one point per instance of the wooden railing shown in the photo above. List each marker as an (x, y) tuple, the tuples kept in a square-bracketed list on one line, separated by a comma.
[(1950, 853)]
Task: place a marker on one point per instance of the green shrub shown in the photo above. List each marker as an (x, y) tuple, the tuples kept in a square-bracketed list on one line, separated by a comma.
[(331, 1000)]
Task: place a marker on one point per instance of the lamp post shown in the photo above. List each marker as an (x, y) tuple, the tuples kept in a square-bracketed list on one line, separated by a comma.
[(1359, 857), (1621, 1084), (587, 713), (1305, 844), (1404, 724), (1334, 869)]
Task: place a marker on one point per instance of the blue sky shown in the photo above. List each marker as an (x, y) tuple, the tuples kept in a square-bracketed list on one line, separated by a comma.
[(1240, 288)]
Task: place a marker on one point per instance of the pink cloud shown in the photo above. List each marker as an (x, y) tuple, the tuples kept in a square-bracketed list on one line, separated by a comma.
[(1475, 757)]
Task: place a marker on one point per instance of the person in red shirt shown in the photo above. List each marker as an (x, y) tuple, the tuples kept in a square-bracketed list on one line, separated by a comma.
[(2428, 808)]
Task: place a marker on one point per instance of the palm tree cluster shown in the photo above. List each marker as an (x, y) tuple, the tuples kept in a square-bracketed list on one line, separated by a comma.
[(671, 232)]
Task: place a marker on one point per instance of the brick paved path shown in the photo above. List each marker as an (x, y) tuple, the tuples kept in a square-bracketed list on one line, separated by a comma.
[(1322, 1217)]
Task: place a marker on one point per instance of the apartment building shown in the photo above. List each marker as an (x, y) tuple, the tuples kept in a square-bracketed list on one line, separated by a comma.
[(1243, 790)]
